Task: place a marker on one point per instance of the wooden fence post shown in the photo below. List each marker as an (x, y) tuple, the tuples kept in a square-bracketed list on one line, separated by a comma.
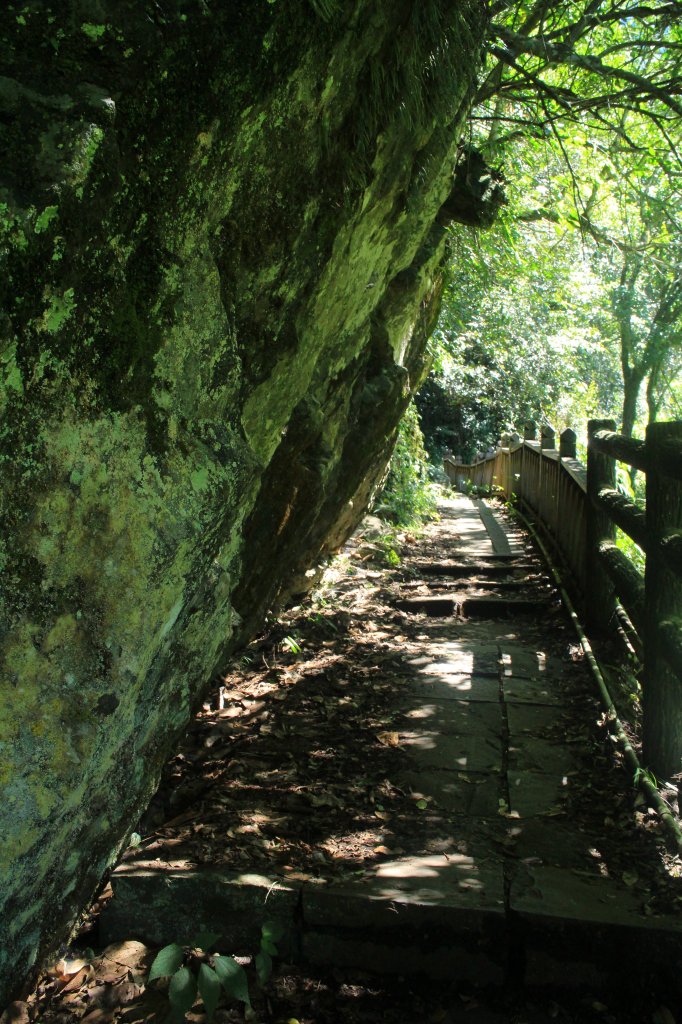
[(528, 435), (567, 440), (547, 435), (600, 601), (662, 685)]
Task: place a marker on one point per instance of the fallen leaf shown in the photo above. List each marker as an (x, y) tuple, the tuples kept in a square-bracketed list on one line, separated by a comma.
[(98, 1016), (389, 739), (630, 878), (65, 969), (79, 979), (16, 1013)]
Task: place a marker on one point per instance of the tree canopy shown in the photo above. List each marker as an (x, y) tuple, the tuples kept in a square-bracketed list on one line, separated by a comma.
[(571, 305)]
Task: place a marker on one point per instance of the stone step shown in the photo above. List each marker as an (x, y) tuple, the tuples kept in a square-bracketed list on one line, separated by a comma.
[(487, 607), (469, 916), (478, 568)]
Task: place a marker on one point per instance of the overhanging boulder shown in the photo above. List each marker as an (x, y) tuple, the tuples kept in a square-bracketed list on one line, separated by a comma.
[(221, 266)]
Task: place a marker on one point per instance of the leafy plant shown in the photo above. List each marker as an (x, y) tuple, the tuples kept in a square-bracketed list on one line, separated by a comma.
[(291, 644), (193, 972), (408, 495), (645, 773), (271, 933)]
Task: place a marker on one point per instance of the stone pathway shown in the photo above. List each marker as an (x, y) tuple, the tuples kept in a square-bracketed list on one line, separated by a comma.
[(524, 875)]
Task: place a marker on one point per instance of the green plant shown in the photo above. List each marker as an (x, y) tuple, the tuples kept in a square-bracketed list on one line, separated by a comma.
[(271, 933), (194, 972), (408, 497), (645, 773), (289, 643)]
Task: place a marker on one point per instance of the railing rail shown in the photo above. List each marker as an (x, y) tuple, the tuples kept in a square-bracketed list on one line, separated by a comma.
[(579, 508)]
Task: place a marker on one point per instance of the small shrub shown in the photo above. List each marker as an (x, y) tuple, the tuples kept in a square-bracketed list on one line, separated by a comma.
[(408, 496), (195, 973)]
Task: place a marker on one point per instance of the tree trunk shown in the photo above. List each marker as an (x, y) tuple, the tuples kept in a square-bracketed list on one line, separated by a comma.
[(632, 385)]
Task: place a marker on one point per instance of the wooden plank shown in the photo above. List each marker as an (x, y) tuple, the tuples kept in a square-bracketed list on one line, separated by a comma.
[(630, 450), (669, 453), (662, 687), (671, 546), (625, 513), (600, 601), (671, 637), (576, 471), (627, 580)]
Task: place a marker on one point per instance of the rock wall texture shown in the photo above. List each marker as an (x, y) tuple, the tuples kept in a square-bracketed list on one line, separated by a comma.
[(221, 226)]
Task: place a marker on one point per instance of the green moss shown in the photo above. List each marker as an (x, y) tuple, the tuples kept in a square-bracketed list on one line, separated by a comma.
[(59, 309), (235, 331)]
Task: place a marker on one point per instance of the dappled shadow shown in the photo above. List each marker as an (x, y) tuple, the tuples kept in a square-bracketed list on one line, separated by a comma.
[(365, 756)]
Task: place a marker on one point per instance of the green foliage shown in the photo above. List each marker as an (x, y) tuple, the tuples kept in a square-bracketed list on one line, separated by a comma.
[(572, 305), (325, 9), (408, 496), (232, 977), (194, 973), (167, 961), (182, 992), (290, 644)]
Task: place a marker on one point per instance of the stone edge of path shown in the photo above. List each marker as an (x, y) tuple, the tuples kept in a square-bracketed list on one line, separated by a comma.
[(355, 925)]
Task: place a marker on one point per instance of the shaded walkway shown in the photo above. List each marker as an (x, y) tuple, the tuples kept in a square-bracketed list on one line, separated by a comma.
[(422, 786)]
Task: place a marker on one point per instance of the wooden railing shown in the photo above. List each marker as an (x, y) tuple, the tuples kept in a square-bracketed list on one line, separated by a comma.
[(578, 508)]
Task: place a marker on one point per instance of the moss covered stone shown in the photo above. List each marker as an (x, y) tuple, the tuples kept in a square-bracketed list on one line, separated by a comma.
[(221, 245)]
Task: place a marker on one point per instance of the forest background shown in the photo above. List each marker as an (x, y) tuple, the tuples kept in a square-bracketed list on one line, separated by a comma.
[(570, 305)]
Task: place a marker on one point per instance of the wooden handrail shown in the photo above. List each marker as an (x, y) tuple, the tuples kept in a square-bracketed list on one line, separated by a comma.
[(626, 514), (579, 508), (630, 450), (627, 580)]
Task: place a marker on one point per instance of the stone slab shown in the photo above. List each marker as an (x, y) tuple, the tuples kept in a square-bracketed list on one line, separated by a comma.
[(491, 607), (438, 750), (533, 793), (494, 528), (464, 957), (476, 794), (479, 720), (457, 687), (448, 657), (537, 741), (526, 663), (162, 906), (532, 691), (450, 891), (542, 892), (552, 842)]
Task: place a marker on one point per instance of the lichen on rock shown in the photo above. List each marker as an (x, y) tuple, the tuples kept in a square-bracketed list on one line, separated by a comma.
[(221, 253)]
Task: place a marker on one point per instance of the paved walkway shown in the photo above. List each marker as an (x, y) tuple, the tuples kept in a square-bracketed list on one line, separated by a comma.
[(528, 872)]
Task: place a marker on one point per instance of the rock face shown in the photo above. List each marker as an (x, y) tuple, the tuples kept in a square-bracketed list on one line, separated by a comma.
[(221, 242)]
